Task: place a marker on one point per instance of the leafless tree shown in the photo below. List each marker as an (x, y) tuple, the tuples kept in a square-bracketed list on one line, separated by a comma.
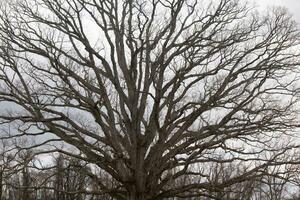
[(71, 178), (5, 167), (152, 92), (68, 177)]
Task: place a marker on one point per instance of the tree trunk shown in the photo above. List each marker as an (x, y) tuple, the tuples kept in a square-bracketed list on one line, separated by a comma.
[(133, 195), (1, 183)]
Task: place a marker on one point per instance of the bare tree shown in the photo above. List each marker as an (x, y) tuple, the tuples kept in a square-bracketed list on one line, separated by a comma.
[(5, 168), (152, 92), (70, 179)]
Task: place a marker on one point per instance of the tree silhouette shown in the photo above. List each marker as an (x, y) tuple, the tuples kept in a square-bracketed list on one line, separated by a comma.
[(153, 92)]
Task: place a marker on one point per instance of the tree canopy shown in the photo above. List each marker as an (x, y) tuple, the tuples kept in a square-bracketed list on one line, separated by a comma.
[(153, 92)]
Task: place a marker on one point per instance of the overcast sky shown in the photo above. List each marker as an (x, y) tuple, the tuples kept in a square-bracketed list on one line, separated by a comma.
[(292, 5)]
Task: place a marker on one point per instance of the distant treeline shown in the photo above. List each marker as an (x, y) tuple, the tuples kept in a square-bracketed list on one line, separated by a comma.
[(71, 179)]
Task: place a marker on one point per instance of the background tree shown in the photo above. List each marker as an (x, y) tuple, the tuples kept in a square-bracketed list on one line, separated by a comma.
[(153, 92)]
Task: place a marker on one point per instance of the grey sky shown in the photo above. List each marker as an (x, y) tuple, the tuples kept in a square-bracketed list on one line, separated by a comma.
[(292, 5)]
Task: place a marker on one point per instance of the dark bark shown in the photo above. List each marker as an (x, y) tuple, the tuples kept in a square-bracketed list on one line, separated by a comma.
[(164, 90)]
